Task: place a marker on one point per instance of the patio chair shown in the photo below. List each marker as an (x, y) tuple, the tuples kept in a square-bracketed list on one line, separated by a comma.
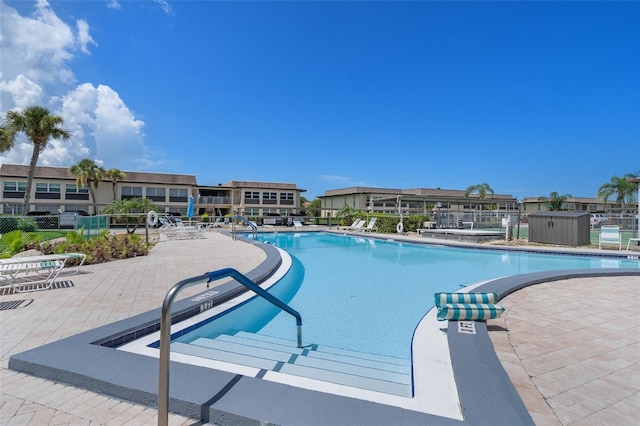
[(353, 225), (359, 226), (11, 269), (297, 224), (610, 234), (371, 226)]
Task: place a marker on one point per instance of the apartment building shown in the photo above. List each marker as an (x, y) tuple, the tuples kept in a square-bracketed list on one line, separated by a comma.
[(411, 201), (54, 190), (449, 205)]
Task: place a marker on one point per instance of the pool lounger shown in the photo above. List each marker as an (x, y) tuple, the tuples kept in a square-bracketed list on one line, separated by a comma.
[(49, 266)]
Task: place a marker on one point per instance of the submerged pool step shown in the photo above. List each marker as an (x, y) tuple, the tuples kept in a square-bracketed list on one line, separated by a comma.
[(318, 349), (366, 371)]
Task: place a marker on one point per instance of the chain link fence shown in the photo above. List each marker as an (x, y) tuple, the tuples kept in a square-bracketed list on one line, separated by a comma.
[(90, 225)]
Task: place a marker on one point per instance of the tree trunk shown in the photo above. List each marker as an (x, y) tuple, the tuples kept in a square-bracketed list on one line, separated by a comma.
[(32, 171), (93, 198)]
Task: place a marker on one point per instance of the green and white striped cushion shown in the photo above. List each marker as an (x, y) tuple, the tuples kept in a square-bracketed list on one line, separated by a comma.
[(469, 311), (449, 298)]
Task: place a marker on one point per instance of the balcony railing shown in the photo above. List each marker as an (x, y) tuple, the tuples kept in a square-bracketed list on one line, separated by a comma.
[(214, 200)]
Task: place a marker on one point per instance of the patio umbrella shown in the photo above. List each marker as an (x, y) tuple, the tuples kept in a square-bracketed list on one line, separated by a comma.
[(190, 207)]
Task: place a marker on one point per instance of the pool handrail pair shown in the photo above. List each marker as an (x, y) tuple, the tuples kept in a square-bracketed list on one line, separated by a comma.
[(165, 326), (247, 222)]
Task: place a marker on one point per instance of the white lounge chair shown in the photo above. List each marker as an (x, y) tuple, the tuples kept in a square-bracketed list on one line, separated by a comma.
[(178, 231), (46, 270), (371, 226), (297, 224), (610, 234), (354, 225), (359, 226)]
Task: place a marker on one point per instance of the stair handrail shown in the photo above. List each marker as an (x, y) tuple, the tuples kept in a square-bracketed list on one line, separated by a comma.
[(165, 326), (246, 222)]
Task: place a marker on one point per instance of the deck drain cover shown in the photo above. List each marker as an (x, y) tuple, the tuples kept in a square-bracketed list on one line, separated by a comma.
[(4, 291), (467, 327), (15, 304)]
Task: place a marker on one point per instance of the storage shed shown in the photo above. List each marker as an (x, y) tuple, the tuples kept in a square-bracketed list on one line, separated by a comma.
[(562, 228)]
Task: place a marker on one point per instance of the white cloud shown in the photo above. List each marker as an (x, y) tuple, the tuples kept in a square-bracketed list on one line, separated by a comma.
[(166, 7), (38, 47), (113, 4), (36, 55), (98, 114), (83, 36), (23, 92)]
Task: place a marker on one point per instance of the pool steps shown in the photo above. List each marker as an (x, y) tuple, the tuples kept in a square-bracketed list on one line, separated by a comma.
[(357, 369)]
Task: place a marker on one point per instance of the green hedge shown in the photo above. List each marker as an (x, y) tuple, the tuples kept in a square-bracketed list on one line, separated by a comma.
[(387, 223)]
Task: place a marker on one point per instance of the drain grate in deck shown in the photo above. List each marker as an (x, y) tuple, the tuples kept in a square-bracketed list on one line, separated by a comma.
[(15, 304), (5, 291)]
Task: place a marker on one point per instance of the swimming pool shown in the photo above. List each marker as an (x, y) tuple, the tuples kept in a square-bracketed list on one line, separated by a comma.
[(211, 389), (368, 295)]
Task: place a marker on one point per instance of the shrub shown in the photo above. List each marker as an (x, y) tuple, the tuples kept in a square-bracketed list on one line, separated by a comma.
[(16, 241), (387, 224), (27, 224), (8, 224), (99, 249)]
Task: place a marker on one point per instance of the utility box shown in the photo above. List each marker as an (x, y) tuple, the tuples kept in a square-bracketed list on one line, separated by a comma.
[(562, 228)]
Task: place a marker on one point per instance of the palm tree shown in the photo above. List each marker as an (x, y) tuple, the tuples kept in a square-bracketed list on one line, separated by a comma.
[(555, 201), (481, 189), (38, 125), (115, 175), (131, 210), (87, 173), (619, 186), (347, 213)]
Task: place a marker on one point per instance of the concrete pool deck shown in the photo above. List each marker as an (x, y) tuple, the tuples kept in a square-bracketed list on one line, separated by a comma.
[(113, 291)]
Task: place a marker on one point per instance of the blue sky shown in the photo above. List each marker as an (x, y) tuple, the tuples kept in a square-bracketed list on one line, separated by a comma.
[(529, 97)]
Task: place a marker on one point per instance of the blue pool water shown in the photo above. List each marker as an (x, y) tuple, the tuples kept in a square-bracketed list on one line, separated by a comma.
[(369, 295)]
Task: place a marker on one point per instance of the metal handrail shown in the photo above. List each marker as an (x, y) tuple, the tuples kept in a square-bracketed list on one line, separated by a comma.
[(165, 326), (246, 222)]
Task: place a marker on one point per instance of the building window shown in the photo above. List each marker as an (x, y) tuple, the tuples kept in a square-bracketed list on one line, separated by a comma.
[(15, 186), (47, 191), (178, 192), (156, 194), (252, 211), (72, 192), (178, 195), (286, 198), (267, 212), (131, 192), (73, 189), (251, 197), (269, 198), (47, 187)]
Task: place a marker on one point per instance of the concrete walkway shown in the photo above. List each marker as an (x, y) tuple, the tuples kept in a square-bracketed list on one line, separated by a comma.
[(608, 332), (572, 350), (100, 295)]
